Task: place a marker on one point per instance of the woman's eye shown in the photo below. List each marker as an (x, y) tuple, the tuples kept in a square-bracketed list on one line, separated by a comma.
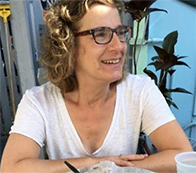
[(101, 34)]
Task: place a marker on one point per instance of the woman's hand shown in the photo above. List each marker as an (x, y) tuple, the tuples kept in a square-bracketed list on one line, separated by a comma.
[(125, 160)]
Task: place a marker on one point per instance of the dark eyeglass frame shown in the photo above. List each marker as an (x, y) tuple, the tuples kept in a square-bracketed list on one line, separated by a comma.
[(92, 32)]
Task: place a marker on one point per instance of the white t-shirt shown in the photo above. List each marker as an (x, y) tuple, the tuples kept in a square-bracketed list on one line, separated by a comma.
[(42, 116)]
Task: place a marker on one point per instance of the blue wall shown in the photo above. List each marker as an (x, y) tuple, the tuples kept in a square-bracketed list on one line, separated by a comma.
[(180, 17)]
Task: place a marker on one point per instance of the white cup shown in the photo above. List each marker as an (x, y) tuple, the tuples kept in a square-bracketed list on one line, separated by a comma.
[(186, 162)]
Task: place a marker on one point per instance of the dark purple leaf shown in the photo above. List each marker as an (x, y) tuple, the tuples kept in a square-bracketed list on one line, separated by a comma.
[(138, 4), (169, 42), (163, 55), (158, 65), (171, 72), (154, 58), (181, 90), (181, 63), (180, 57), (140, 9), (156, 9), (151, 75)]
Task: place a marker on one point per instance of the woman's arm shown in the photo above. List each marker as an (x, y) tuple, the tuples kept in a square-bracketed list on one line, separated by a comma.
[(21, 155), (169, 140)]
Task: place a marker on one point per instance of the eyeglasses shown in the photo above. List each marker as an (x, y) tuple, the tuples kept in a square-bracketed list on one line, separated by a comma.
[(103, 35)]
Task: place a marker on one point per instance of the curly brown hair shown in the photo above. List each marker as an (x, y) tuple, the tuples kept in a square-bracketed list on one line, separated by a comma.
[(60, 44)]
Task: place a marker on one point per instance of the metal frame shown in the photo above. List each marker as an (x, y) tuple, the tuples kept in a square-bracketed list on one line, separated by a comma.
[(5, 121), (10, 94), (23, 43)]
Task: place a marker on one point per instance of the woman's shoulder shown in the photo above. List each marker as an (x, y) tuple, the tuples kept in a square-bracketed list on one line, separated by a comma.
[(137, 87), (43, 90), (136, 81)]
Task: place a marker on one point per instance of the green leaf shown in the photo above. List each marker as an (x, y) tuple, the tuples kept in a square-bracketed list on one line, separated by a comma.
[(171, 103), (169, 42), (167, 94), (145, 13)]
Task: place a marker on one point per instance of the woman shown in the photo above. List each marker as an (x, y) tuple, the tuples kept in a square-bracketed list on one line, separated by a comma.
[(91, 110)]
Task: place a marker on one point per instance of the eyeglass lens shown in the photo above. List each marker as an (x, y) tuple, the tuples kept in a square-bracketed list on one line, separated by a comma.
[(104, 35)]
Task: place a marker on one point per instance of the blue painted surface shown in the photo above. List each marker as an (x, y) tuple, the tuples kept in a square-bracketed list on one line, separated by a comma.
[(180, 17)]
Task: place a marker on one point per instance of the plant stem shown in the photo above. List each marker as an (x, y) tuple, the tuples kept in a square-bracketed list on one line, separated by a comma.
[(161, 77), (135, 48), (163, 80)]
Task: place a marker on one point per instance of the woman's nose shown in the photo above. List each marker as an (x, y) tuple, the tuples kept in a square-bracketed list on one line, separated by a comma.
[(116, 44)]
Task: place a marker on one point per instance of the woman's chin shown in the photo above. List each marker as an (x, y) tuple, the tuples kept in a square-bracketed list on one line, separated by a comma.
[(116, 78)]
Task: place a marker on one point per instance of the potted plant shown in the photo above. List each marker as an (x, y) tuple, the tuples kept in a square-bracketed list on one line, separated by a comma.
[(165, 61)]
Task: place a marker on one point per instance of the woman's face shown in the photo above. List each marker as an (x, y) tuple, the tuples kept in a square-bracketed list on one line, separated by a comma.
[(102, 63)]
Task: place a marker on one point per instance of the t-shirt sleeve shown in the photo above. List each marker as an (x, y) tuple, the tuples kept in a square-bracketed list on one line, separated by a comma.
[(156, 111), (28, 120)]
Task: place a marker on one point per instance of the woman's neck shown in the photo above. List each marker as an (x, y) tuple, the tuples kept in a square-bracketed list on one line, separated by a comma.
[(90, 95)]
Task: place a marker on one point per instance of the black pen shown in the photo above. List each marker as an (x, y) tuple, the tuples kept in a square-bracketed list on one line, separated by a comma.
[(71, 167)]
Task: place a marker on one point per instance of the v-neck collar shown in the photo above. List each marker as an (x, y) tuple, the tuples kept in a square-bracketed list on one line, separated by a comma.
[(74, 133)]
